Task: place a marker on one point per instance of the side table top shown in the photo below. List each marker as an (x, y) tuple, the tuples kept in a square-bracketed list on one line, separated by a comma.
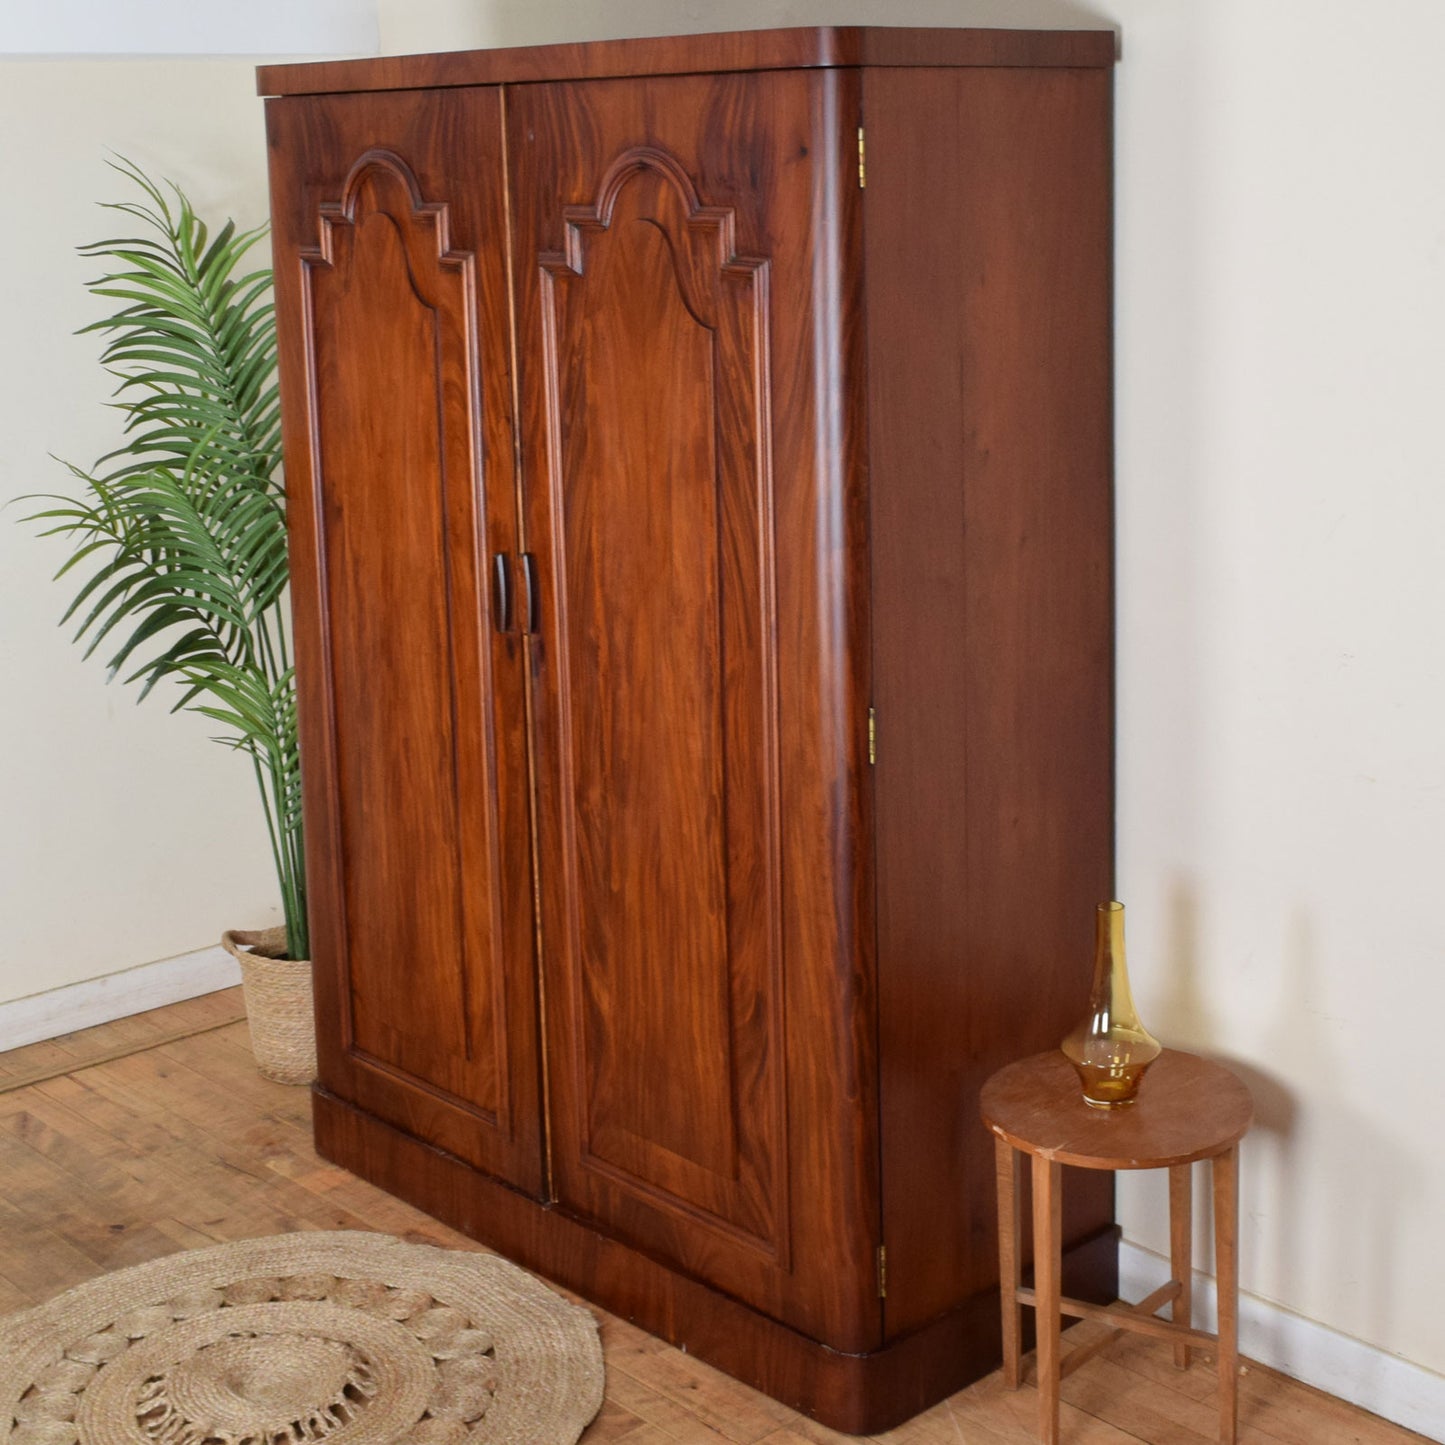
[(1188, 1108)]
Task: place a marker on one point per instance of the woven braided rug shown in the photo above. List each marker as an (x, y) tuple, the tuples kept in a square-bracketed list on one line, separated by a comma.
[(341, 1338)]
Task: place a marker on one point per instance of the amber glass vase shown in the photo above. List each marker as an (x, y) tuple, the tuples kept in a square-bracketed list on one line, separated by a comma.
[(1110, 1049)]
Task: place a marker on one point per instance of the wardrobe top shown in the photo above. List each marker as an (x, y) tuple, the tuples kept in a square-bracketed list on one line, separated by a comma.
[(808, 47)]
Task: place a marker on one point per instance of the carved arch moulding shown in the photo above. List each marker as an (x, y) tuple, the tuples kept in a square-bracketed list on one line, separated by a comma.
[(380, 183), (711, 230)]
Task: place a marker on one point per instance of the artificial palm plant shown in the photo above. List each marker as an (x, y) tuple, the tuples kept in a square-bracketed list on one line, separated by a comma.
[(180, 533)]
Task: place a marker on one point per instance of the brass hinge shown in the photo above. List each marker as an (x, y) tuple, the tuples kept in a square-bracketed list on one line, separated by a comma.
[(862, 164), (872, 736), (882, 1271)]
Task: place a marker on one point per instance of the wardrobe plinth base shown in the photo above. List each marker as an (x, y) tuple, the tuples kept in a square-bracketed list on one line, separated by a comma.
[(860, 1394)]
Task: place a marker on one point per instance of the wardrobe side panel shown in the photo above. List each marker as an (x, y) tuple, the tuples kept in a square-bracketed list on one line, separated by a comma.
[(390, 235), (988, 263)]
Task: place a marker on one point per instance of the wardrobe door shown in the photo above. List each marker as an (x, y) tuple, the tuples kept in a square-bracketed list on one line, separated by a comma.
[(685, 483), (389, 215)]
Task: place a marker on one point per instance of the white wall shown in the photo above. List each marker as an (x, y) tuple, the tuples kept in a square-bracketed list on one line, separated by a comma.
[(1281, 284), (128, 835), (409, 26), (185, 27), (1281, 309)]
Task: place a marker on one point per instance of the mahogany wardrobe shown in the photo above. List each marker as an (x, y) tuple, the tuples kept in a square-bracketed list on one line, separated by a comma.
[(699, 459)]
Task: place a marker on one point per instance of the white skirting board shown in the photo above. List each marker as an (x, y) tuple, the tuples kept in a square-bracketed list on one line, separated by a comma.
[(1365, 1375), (116, 996)]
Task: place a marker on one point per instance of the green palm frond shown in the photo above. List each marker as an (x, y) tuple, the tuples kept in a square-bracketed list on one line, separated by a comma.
[(194, 555), (178, 536), (194, 343)]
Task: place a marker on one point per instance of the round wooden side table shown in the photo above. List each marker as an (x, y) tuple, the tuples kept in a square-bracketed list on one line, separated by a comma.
[(1187, 1109)]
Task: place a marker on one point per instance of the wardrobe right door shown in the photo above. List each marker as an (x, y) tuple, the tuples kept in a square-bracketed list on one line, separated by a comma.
[(700, 975)]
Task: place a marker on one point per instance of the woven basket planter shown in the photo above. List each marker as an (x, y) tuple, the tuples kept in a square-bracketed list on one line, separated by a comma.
[(279, 1009)]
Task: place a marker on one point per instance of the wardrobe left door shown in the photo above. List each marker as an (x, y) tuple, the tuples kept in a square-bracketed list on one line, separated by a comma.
[(389, 222)]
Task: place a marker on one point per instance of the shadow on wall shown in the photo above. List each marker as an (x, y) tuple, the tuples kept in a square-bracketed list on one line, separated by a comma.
[(525, 22), (1376, 1178), (1282, 1257)]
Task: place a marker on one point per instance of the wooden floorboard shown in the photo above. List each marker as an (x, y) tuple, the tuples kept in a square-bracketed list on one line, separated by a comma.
[(181, 1143)]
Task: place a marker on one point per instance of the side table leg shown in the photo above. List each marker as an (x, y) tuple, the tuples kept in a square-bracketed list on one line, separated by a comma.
[(1048, 1248), (1181, 1251), (1226, 1266), (1006, 1162)]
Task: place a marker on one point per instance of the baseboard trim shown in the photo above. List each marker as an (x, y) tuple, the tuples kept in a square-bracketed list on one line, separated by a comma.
[(1384, 1384), (41, 1016)]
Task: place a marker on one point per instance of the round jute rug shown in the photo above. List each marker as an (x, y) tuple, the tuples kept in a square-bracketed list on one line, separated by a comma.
[(341, 1338)]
